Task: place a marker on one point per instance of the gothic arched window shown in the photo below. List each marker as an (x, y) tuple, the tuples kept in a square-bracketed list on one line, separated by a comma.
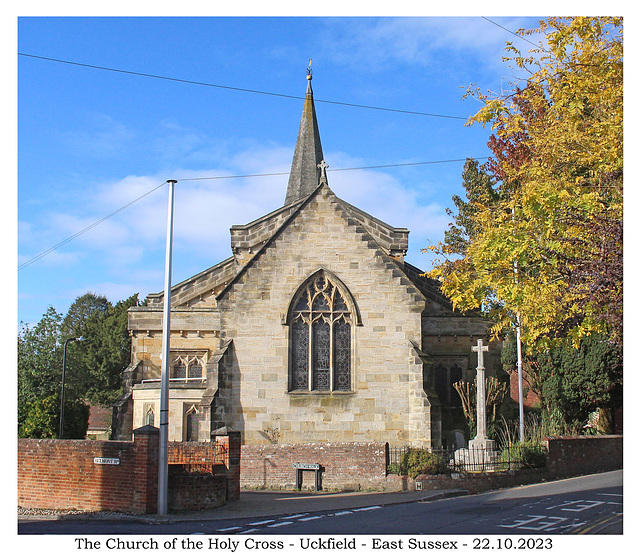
[(150, 416), (189, 365), (321, 326), (179, 369), (195, 369), (191, 425)]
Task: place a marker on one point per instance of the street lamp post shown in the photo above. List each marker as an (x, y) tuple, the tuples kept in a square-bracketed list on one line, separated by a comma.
[(64, 368), (163, 468)]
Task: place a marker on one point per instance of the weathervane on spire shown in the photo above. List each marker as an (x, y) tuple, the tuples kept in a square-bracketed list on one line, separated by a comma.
[(309, 72)]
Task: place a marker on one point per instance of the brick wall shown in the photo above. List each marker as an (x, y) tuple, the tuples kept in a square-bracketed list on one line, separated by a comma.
[(346, 465), (583, 454), (195, 491), (530, 398), (62, 474)]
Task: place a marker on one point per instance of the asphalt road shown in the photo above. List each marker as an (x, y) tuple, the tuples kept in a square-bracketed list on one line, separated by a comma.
[(583, 505)]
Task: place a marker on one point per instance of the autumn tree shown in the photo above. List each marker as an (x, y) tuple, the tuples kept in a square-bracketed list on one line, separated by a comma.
[(547, 247)]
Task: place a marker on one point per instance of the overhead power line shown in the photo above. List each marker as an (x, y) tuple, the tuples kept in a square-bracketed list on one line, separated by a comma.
[(96, 223), (329, 170), (510, 31), (200, 83)]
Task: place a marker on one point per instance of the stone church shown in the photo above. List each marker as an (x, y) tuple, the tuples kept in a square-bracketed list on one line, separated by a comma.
[(314, 330)]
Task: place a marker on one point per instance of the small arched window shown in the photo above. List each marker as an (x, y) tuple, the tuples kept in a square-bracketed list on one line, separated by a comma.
[(179, 369), (150, 417), (191, 425), (195, 369), (321, 333)]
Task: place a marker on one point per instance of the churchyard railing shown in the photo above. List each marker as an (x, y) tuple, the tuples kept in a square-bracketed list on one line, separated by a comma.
[(508, 458), (214, 462)]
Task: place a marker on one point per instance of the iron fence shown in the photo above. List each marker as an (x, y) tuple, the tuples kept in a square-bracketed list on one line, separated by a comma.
[(512, 457)]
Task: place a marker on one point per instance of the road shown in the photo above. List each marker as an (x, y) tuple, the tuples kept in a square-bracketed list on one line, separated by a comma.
[(583, 505)]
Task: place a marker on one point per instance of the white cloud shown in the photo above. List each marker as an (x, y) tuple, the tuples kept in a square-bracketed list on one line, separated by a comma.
[(423, 42), (395, 202), (126, 251), (101, 136)]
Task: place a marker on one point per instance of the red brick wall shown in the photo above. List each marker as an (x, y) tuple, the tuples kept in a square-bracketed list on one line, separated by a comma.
[(196, 491), (61, 474), (584, 454), (345, 465), (224, 451), (530, 398)]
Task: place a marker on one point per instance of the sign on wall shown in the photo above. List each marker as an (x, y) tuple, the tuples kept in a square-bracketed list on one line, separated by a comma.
[(107, 461)]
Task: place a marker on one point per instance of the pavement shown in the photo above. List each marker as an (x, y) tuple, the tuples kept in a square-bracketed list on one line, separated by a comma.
[(269, 503)]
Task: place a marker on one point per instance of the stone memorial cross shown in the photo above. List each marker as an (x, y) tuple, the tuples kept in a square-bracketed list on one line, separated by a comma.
[(481, 405)]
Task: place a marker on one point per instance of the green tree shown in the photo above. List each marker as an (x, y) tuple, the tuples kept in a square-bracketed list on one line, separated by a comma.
[(39, 360), (93, 368), (84, 309), (80, 311), (480, 191), (108, 352), (572, 382), (42, 418)]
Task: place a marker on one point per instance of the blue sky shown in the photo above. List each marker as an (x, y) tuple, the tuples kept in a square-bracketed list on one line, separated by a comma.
[(90, 141)]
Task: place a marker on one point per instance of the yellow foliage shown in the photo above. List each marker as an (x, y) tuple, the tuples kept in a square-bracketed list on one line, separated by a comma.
[(575, 142)]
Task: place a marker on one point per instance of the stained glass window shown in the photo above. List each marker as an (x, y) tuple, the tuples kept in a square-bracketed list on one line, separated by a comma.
[(342, 362), (320, 338), (189, 365), (195, 369), (179, 369), (300, 355), (191, 425)]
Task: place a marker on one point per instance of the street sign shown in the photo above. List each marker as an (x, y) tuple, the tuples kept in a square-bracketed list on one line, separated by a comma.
[(306, 466), (107, 461)]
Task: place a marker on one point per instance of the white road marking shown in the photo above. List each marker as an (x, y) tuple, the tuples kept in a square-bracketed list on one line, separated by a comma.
[(311, 518), (263, 522), (281, 524)]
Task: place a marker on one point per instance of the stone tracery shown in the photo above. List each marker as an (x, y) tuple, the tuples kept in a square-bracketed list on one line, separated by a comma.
[(321, 338)]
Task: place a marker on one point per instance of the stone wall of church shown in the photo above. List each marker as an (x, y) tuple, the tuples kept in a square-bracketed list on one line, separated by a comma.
[(191, 329), (448, 338), (387, 384)]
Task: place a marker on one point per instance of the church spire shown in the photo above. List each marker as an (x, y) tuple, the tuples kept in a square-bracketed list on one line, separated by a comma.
[(305, 170)]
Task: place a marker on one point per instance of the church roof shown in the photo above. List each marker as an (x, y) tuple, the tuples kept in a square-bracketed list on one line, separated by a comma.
[(305, 173), (307, 178)]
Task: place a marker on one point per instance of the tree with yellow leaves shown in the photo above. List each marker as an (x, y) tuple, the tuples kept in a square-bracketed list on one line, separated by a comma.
[(546, 247)]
